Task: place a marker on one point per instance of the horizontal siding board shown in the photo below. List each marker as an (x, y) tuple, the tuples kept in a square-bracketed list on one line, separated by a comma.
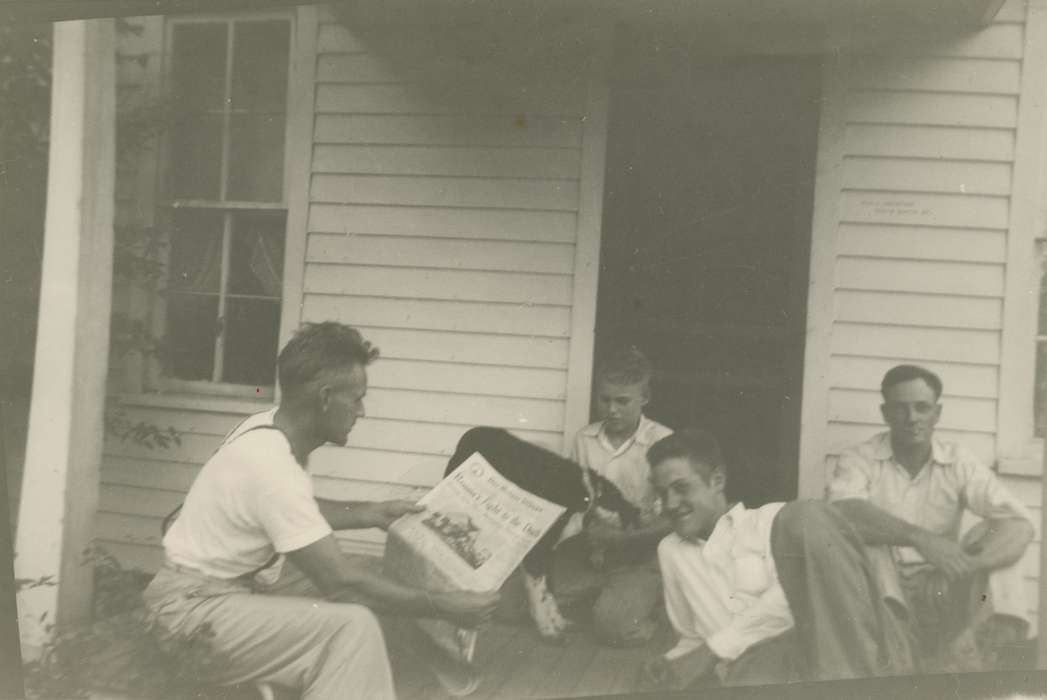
[(958, 413), (907, 344), (916, 209), (462, 378), (385, 466), (937, 74), (193, 449), (420, 314), (507, 193), (148, 473), (447, 160), (913, 141), (131, 500), (919, 310), (471, 348), (184, 420), (457, 285), (909, 175), (351, 489), (980, 381), (939, 109), (922, 242), (932, 277), (842, 435), (463, 409), (382, 434), (493, 224), (356, 67), (130, 529), (460, 254), (381, 92), (441, 130), (1012, 11)]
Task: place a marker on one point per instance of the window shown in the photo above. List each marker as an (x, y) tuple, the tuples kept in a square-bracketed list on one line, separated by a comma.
[(225, 211)]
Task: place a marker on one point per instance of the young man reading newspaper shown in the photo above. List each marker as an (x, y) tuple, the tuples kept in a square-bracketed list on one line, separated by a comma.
[(252, 504)]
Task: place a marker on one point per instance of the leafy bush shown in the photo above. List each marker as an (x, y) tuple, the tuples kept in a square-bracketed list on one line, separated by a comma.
[(122, 648)]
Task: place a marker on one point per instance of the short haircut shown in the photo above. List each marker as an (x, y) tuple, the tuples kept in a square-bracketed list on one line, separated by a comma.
[(699, 447), (317, 349), (625, 366), (907, 373)]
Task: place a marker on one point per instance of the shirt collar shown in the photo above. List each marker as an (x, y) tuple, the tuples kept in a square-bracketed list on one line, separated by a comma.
[(643, 435), (940, 452)]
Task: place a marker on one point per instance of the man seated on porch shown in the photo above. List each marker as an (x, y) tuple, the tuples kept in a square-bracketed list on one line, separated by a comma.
[(615, 567), (252, 504), (779, 593), (909, 490)]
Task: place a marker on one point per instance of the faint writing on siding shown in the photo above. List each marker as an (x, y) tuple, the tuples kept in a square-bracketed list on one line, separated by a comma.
[(894, 207)]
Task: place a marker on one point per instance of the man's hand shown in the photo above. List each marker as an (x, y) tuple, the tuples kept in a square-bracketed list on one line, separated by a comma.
[(657, 673), (465, 608), (945, 555), (383, 513)]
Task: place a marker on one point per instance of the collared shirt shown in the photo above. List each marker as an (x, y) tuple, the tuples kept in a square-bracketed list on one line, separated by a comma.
[(954, 480), (724, 592), (625, 466)]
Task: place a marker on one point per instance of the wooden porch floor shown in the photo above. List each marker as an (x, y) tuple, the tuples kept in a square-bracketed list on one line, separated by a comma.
[(518, 665)]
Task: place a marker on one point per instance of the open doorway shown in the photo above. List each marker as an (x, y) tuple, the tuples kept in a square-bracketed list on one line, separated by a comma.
[(705, 250)]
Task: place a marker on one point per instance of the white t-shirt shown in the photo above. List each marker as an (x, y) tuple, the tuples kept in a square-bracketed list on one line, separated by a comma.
[(249, 500)]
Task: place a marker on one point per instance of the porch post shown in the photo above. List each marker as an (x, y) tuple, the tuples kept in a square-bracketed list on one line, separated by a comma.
[(63, 452)]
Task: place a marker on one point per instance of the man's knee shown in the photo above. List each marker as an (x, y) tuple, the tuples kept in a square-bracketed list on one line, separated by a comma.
[(798, 518), (354, 620)]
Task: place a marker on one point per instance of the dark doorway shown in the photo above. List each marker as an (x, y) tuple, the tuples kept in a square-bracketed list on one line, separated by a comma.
[(706, 236)]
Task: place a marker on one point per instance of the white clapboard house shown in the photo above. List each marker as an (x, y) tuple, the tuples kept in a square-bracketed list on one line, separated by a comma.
[(776, 201)]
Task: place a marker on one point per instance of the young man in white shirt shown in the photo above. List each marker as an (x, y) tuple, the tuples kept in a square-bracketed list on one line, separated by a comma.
[(779, 593), (252, 504), (610, 563)]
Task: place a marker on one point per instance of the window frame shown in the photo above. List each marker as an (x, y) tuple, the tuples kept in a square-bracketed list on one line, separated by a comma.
[(166, 206)]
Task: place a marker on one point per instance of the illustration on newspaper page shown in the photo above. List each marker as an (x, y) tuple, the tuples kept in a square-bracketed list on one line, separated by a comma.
[(476, 529)]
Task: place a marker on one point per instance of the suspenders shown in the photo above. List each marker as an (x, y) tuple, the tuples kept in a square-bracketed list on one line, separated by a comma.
[(169, 519)]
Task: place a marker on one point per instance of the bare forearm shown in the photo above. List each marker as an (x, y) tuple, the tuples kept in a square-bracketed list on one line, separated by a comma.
[(346, 515), (384, 595), (1004, 543), (876, 526)]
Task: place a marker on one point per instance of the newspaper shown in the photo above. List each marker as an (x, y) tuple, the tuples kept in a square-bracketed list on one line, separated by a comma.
[(476, 529)]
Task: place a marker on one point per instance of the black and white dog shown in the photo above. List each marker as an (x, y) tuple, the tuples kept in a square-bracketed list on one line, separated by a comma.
[(555, 479)]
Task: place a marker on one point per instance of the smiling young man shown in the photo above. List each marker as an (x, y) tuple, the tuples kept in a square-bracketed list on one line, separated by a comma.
[(774, 594), (613, 565), (907, 489), (252, 505)]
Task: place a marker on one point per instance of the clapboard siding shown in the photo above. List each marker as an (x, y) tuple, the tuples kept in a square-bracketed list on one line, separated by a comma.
[(918, 141), (922, 310), (407, 251), (932, 109), (444, 209), (491, 224), (842, 434), (920, 276), (940, 175), (937, 243)]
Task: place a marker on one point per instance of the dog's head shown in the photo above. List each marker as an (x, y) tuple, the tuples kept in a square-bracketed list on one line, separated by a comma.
[(606, 495)]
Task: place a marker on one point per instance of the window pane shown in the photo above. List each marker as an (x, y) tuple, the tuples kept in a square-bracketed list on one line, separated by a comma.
[(190, 342), (252, 328), (196, 157), (198, 65), (256, 260), (195, 262), (260, 63), (256, 158)]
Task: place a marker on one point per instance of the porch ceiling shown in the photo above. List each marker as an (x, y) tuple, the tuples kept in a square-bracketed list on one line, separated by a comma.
[(869, 14)]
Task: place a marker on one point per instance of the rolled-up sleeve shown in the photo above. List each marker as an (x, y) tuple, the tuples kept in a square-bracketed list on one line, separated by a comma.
[(985, 496), (850, 477)]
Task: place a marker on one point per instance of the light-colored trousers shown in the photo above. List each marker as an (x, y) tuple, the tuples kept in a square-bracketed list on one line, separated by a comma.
[(323, 650)]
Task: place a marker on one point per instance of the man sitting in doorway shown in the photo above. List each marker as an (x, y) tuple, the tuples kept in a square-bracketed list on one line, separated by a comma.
[(616, 564), (909, 490), (252, 504), (779, 593)]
